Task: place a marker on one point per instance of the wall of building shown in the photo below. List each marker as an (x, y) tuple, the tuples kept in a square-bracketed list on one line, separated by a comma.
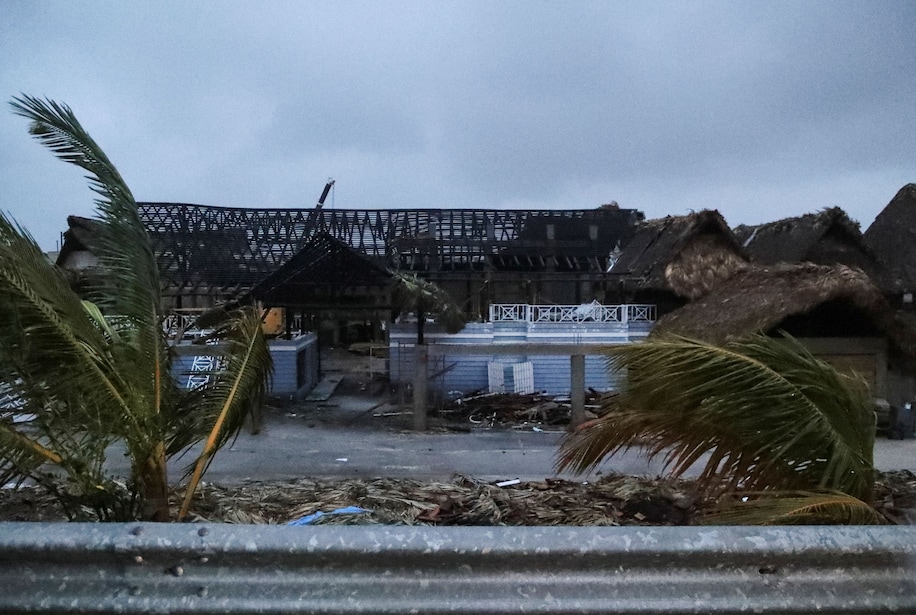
[(295, 361), (464, 374), (296, 365)]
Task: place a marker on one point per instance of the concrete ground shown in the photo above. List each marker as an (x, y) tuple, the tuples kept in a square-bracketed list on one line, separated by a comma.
[(359, 429)]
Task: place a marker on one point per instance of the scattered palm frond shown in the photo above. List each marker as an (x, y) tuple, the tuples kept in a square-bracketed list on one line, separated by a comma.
[(612, 500), (791, 508)]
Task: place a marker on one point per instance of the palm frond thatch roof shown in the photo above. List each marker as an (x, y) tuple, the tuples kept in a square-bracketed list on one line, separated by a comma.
[(760, 299), (687, 255), (322, 271), (796, 239), (827, 237), (78, 237), (892, 237)]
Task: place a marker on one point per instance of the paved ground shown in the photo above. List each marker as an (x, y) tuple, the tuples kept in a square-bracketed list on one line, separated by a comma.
[(344, 436)]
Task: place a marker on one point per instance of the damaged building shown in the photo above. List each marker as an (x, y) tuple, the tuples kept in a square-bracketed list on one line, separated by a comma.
[(593, 276)]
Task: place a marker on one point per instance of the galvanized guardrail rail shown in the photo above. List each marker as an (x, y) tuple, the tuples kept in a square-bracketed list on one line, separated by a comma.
[(204, 568)]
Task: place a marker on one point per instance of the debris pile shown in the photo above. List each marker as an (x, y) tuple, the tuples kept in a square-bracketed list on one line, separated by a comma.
[(613, 500), (518, 409), (895, 496)]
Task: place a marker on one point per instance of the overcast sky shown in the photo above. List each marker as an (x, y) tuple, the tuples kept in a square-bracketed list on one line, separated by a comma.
[(761, 110)]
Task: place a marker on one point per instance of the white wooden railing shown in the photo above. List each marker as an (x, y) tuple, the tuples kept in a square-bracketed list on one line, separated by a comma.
[(586, 312)]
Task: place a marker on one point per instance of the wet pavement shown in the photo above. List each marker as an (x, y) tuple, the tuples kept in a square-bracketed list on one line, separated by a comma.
[(362, 430)]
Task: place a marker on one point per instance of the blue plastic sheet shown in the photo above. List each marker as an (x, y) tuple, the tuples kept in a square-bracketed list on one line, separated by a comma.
[(346, 510)]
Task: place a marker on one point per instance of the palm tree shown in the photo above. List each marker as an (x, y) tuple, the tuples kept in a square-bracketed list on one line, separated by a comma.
[(411, 293), (95, 372), (414, 294), (769, 415)]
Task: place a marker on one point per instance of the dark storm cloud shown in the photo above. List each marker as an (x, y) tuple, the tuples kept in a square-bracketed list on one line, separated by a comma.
[(761, 110)]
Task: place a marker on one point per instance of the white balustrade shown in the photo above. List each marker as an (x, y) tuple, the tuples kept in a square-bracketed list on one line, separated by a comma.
[(586, 312)]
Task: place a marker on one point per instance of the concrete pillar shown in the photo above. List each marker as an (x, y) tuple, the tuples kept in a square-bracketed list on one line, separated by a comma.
[(577, 390), (420, 388)]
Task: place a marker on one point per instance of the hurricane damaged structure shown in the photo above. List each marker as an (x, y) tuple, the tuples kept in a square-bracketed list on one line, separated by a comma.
[(892, 239), (208, 255), (568, 277), (828, 237), (836, 311), (675, 259), (328, 271)]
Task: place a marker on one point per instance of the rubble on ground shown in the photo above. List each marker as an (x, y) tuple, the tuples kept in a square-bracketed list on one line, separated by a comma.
[(521, 409), (610, 501)]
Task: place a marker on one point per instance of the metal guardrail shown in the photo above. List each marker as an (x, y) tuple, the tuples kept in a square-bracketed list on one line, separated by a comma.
[(586, 312), (202, 568)]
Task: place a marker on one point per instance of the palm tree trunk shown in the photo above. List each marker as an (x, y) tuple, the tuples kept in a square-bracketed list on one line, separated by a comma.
[(421, 322), (153, 486)]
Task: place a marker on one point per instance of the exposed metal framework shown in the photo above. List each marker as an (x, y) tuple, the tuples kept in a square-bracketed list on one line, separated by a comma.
[(228, 249)]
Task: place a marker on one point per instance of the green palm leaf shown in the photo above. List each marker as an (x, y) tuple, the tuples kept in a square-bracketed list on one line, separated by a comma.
[(48, 331), (768, 414), (223, 405), (95, 372), (414, 294), (791, 508)]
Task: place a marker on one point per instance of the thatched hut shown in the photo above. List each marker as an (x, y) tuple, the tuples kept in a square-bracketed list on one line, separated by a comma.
[(892, 238), (837, 311), (828, 237), (677, 258), (76, 258), (329, 282)]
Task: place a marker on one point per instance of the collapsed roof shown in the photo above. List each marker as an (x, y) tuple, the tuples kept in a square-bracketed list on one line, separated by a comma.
[(235, 248), (687, 255), (824, 238), (892, 237)]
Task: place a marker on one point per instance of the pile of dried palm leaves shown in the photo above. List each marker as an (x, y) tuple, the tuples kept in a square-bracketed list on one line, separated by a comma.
[(615, 500), (612, 500)]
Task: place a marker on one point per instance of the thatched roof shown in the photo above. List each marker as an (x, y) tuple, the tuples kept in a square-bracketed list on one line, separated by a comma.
[(325, 271), (761, 299), (687, 255), (892, 237), (825, 238), (77, 238), (796, 240)]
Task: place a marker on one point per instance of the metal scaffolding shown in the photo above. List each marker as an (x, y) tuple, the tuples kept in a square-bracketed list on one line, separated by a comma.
[(225, 249)]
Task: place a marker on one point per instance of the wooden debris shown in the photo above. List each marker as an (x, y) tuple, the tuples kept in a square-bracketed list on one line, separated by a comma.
[(504, 409), (612, 500)]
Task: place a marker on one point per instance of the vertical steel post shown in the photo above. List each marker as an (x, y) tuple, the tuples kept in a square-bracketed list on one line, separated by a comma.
[(576, 390), (420, 388)]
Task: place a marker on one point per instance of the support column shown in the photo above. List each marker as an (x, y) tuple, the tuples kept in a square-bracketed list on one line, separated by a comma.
[(420, 388), (577, 390)]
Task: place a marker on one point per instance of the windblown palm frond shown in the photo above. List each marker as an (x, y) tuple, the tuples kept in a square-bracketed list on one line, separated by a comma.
[(95, 372), (131, 281), (767, 413), (226, 403), (127, 294), (791, 508), (58, 365), (414, 294)]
